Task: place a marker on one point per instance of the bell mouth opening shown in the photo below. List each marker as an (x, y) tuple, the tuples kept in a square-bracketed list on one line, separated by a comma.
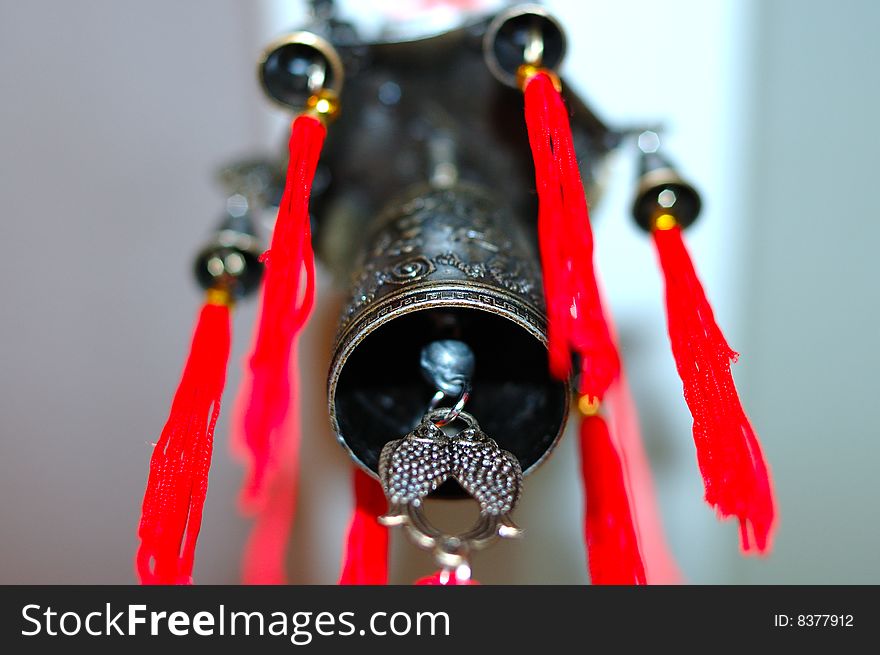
[(378, 393), (286, 68)]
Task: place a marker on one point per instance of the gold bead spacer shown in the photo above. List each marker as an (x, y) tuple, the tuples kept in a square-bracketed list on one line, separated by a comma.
[(588, 405), (324, 106), (526, 72), (219, 296), (664, 222)]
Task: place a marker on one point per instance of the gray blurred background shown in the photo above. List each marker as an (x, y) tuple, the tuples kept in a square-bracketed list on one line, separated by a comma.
[(115, 115)]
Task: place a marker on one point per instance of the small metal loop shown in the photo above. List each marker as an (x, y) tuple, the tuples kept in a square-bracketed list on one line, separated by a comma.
[(450, 551), (441, 416), (456, 410), (448, 364)]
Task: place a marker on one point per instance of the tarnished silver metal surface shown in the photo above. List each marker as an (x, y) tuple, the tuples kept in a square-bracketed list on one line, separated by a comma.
[(413, 467), (445, 264), (448, 364), (446, 235), (430, 111)]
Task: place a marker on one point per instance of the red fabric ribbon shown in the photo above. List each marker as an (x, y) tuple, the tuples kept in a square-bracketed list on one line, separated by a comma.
[(267, 433), (623, 426), (264, 560), (577, 324), (365, 561), (736, 478), (178, 482), (610, 532), (576, 320), (287, 297)]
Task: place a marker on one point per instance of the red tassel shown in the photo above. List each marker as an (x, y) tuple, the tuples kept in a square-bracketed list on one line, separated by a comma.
[(623, 426), (264, 561), (287, 299), (172, 509), (612, 539), (365, 560), (446, 579), (576, 321), (735, 475)]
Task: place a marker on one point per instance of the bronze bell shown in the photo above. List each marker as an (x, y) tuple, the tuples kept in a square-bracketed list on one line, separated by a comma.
[(445, 264)]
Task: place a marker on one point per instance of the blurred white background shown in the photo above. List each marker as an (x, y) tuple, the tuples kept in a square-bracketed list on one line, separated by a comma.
[(115, 115)]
